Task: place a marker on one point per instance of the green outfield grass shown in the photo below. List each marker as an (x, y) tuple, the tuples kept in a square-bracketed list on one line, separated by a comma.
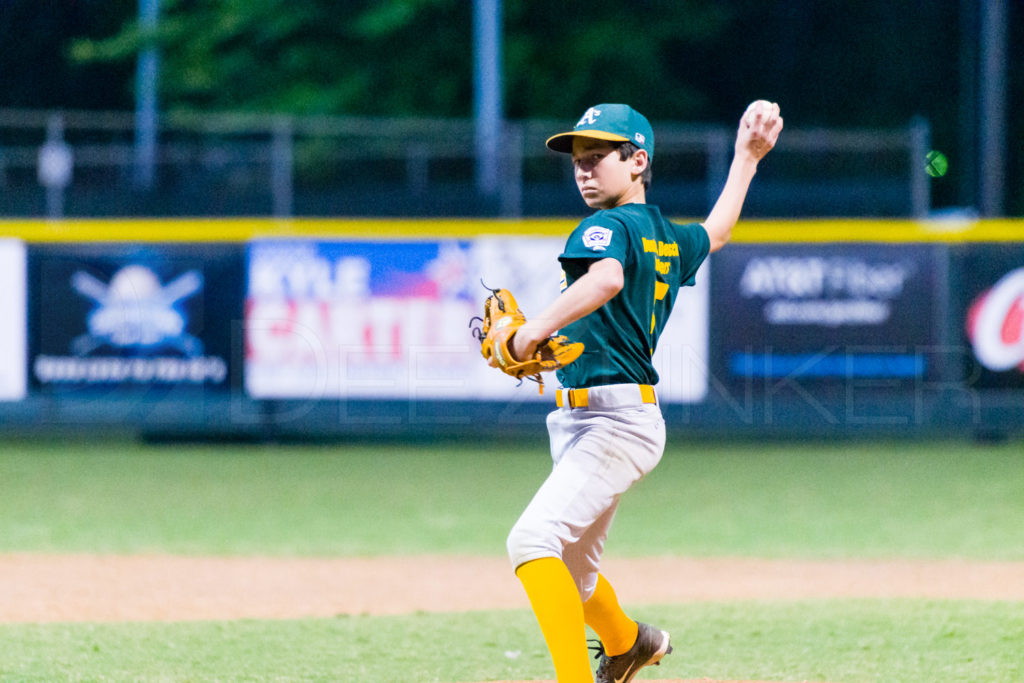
[(850, 641), (811, 500), (903, 499)]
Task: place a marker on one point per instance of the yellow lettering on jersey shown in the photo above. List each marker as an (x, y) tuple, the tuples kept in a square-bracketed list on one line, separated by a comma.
[(660, 290), (666, 249), (662, 266)]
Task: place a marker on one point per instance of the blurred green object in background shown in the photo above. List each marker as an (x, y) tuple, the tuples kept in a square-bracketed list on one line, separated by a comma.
[(936, 164)]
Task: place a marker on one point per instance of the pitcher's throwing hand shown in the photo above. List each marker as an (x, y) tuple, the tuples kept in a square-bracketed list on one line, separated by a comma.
[(759, 129)]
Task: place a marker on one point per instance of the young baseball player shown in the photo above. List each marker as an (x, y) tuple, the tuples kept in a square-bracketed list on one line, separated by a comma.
[(622, 269)]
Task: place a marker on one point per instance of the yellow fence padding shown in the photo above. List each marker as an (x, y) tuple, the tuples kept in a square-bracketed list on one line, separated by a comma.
[(243, 229)]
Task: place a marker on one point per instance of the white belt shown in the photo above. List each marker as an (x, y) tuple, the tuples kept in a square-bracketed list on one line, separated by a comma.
[(607, 396)]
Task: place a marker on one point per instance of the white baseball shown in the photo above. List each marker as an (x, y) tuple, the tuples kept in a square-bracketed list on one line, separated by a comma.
[(751, 114)]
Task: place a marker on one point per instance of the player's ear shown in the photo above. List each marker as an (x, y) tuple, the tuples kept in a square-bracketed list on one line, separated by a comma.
[(640, 161)]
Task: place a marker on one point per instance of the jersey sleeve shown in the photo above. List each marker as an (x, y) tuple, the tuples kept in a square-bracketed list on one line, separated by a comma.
[(694, 245), (597, 237)]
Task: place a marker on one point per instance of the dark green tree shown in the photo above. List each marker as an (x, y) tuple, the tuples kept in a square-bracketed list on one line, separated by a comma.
[(414, 57), (401, 57)]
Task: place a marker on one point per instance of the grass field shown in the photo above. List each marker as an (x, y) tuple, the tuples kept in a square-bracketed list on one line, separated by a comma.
[(784, 500), (817, 641)]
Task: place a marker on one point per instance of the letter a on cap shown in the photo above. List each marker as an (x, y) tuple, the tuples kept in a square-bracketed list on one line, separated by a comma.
[(589, 118)]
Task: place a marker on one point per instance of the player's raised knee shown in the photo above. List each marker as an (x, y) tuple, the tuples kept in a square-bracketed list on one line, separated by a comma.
[(525, 544)]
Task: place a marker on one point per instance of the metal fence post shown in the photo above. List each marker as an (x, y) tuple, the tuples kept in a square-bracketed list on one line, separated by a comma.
[(282, 167), (512, 172), (920, 190), (717, 150), (487, 93), (417, 167), (992, 109), (55, 166), (146, 76)]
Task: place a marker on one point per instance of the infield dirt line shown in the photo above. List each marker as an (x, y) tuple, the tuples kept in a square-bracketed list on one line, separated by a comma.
[(48, 588), (664, 680)]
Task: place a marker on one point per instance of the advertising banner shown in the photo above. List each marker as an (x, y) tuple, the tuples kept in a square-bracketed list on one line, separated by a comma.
[(13, 314), (824, 313), (117, 316), (392, 319), (993, 314)]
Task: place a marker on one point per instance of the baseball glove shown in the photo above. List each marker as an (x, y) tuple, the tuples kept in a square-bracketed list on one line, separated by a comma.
[(502, 317)]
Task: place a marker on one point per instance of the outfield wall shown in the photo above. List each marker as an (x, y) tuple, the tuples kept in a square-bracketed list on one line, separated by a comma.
[(293, 329)]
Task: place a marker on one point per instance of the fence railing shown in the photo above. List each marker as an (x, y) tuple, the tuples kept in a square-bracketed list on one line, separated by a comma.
[(77, 163)]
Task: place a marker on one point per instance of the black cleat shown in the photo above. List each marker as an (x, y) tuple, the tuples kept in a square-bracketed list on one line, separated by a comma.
[(650, 646)]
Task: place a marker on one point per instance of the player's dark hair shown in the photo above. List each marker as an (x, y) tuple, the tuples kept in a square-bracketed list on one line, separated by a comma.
[(628, 149)]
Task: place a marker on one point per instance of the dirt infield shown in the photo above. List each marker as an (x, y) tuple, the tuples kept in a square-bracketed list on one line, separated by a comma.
[(48, 588)]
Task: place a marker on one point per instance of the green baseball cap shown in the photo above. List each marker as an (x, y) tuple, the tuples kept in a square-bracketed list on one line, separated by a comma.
[(614, 122)]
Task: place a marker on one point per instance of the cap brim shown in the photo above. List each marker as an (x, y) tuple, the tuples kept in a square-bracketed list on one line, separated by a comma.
[(563, 141)]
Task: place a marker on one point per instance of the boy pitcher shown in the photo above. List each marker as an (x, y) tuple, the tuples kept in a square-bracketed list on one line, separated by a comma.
[(623, 267)]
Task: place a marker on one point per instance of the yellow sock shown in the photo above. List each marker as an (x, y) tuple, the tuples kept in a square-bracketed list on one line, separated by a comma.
[(556, 604), (603, 614)]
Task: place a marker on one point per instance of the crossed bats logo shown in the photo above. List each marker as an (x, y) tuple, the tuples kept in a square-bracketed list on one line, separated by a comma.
[(134, 311), (995, 324)]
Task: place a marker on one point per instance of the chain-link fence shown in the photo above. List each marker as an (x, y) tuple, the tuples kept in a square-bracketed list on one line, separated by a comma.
[(87, 164)]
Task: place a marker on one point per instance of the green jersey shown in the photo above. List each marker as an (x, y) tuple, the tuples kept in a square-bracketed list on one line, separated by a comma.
[(657, 257)]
